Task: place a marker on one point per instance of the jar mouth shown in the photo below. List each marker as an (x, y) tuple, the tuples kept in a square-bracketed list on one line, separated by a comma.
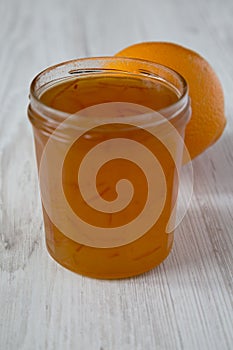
[(91, 66)]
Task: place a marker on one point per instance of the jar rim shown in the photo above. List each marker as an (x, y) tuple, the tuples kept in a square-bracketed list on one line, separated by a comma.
[(169, 110)]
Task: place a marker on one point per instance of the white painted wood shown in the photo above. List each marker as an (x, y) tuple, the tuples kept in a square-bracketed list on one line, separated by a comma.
[(186, 303)]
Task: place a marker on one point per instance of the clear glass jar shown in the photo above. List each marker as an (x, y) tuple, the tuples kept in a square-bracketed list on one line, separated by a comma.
[(109, 139)]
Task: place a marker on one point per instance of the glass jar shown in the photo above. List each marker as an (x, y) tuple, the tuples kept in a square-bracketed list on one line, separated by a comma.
[(109, 141)]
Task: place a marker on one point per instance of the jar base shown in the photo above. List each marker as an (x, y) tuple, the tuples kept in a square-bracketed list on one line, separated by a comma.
[(109, 276)]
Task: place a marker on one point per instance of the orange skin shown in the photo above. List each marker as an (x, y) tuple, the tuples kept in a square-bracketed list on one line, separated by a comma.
[(207, 100)]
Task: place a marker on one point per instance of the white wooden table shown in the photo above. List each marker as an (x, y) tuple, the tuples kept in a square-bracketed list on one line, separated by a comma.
[(186, 303)]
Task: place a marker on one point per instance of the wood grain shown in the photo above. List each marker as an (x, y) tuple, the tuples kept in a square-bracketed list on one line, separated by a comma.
[(186, 303)]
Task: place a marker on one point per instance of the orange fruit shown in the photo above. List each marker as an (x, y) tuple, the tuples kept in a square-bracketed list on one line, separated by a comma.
[(207, 101)]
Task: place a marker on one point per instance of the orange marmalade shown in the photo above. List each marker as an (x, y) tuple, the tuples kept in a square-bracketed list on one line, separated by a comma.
[(71, 88)]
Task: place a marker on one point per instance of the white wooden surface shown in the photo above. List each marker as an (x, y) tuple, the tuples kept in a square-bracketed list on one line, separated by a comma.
[(186, 303)]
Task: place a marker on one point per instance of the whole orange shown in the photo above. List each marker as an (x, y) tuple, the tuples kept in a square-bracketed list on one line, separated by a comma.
[(207, 101)]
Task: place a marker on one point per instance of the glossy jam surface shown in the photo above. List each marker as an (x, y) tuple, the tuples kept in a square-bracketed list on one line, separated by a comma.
[(75, 94), (151, 248)]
